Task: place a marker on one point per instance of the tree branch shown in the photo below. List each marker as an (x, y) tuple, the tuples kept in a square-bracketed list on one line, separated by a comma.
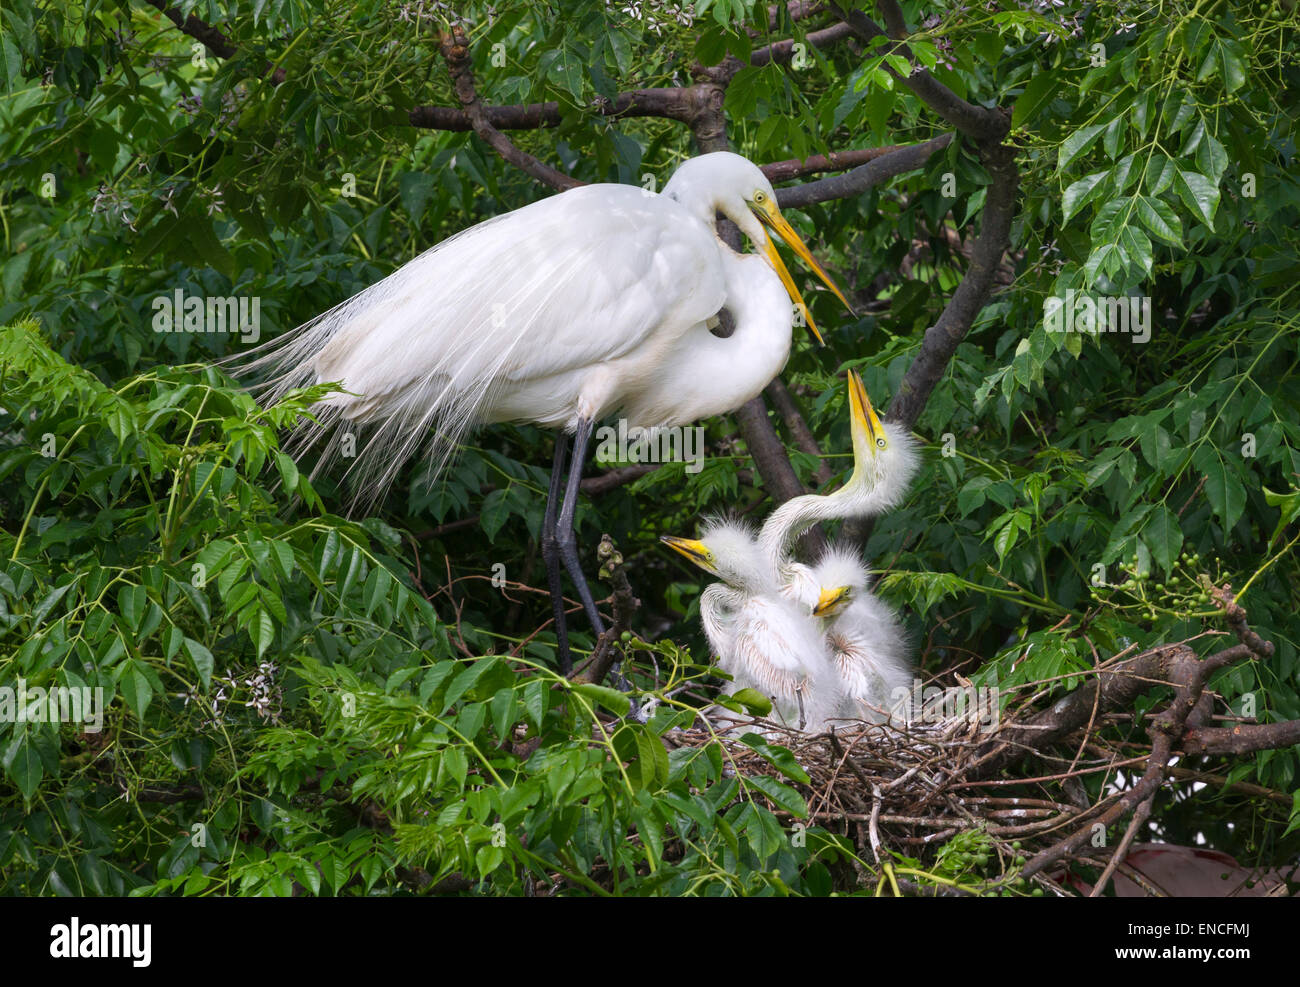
[(784, 171), (1244, 738), (215, 40), (604, 657), (974, 121), (942, 339), (890, 162), (670, 104), (781, 52), (455, 49), (797, 426)]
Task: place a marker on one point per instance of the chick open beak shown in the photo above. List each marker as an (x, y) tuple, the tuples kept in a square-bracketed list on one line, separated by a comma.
[(692, 549), (831, 601), (770, 216)]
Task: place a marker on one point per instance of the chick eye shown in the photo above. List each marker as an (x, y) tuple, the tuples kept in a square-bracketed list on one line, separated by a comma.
[(880, 443)]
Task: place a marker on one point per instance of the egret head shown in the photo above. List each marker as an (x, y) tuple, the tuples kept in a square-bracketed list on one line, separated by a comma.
[(885, 458), (841, 578), (726, 549), (723, 182)]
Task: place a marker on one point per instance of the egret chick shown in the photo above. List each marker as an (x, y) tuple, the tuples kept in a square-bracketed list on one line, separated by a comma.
[(885, 460), (763, 639), (865, 638)]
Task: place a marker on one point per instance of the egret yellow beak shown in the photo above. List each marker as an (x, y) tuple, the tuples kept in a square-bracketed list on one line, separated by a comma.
[(778, 265), (693, 550), (770, 216), (831, 601), (868, 433)]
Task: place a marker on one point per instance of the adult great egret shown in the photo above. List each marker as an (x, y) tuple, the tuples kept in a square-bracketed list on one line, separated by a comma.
[(763, 639), (594, 301)]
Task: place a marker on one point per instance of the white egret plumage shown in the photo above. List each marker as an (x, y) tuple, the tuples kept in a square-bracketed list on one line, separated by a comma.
[(866, 640), (885, 460), (856, 634), (592, 302), (863, 636), (763, 639)]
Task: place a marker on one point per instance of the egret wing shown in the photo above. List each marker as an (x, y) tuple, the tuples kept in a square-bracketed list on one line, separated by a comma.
[(568, 282)]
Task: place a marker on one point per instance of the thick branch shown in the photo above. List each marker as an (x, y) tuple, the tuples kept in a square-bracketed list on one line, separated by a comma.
[(797, 426), (455, 49), (783, 171), (671, 104), (1244, 738), (973, 121), (892, 161), (942, 339), (782, 52)]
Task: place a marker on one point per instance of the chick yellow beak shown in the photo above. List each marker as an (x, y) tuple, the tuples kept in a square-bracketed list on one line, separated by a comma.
[(831, 601), (694, 550), (867, 430), (770, 216)]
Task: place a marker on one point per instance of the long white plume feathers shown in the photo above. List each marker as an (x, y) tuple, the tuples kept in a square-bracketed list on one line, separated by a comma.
[(423, 353)]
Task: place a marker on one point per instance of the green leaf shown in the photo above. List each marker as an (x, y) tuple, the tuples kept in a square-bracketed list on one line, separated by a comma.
[(1160, 219), (1159, 173), (782, 795), (136, 689), (495, 511), (376, 589), (1038, 93), (1163, 537), (1233, 62), (1137, 245), (1078, 194), (131, 601), (262, 630), (1199, 194), (288, 472), (202, 660), (1007, 535), (753, 701), (602, 695), (23, 764), (1077, 143), (1226, 494), (777, 756)]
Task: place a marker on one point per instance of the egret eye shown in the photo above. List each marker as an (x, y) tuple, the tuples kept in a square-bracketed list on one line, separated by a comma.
[(880, 443), (760, 197)]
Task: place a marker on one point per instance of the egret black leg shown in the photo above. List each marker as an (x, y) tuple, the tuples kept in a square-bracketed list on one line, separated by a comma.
[(551, 552), (564, 542), (564, 534)]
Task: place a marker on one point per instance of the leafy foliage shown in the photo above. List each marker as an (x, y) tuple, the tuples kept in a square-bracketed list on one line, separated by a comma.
[(330, 700)]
